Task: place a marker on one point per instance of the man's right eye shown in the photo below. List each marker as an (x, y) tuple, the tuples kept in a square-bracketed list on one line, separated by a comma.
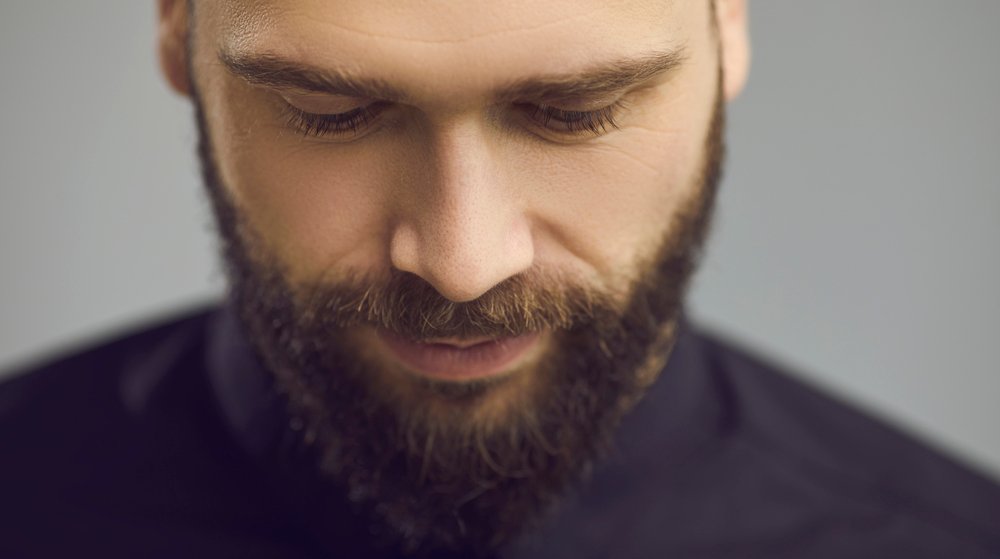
[(323, 115), (344, 124)]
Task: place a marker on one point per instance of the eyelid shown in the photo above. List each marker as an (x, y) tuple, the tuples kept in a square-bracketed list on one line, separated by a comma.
[(580, 104), (319, 114), (323, 104), (572, 122)]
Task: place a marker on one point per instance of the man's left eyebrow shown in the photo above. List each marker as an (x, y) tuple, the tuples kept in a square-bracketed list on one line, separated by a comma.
[(597, 81)]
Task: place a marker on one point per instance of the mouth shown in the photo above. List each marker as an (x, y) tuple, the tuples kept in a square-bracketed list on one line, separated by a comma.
[(459, 359)]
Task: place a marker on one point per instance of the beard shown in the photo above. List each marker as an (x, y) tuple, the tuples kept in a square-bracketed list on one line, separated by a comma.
[(419, 459)]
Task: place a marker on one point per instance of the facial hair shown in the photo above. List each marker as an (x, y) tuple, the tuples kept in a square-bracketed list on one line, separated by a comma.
[(402, 449)]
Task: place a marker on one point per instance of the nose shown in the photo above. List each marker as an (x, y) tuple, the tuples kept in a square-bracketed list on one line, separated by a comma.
[(461, 228)]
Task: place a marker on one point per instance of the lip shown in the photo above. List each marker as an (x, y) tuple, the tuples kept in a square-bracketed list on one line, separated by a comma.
[(458, 359)]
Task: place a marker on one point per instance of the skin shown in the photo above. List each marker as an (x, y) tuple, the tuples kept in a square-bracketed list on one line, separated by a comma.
[(449, 186)]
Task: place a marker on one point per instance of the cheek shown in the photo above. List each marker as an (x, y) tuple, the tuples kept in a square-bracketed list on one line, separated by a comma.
[(610, 204), (316, 206)]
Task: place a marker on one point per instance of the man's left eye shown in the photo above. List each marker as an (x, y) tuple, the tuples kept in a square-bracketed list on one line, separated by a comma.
[(595, 122)]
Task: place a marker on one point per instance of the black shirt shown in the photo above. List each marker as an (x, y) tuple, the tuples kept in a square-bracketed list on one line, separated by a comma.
[(168, 443)]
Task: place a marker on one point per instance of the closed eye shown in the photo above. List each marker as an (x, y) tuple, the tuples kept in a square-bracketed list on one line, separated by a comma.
[(595, 122), (343, 123), (553, 119)]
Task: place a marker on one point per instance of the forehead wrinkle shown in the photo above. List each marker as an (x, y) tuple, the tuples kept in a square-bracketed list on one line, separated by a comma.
[(244, 20), (297, 32), (250, 21), (520, 27)]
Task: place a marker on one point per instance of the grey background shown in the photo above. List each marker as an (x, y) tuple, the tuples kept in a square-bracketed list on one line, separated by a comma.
[(856, 239)]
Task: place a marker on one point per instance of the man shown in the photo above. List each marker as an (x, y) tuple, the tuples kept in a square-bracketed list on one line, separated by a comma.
[(458, 236)]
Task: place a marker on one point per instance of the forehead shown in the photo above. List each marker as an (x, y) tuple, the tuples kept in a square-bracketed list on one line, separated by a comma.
[(424, 42)]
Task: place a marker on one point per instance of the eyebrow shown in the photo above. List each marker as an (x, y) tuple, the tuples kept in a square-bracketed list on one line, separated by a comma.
[(273, 71), (596, 81)]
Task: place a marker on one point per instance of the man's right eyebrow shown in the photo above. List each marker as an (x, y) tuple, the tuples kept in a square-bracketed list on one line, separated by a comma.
[(278, 73)]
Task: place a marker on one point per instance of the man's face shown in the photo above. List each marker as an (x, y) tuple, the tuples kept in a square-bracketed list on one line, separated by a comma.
[(457, 182), (468, 223)]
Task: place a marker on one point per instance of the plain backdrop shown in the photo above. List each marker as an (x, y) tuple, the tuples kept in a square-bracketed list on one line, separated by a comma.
[(856, 240)]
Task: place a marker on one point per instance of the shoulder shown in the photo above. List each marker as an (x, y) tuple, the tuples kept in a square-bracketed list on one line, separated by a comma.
[(109, 439), (59, 418), (781, 412), (96, 377), (850, 480)]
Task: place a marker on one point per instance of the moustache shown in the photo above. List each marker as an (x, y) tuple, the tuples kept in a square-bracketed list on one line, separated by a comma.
[(407, 305)]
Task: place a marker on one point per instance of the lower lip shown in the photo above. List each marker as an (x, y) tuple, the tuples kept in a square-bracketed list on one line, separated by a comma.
[(448, 362)]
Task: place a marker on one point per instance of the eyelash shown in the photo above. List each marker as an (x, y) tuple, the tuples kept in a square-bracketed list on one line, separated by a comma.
[(596, 122), (311, 124)]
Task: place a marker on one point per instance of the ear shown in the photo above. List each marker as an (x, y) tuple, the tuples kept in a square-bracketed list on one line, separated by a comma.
[(172, 39), (734, 41)]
